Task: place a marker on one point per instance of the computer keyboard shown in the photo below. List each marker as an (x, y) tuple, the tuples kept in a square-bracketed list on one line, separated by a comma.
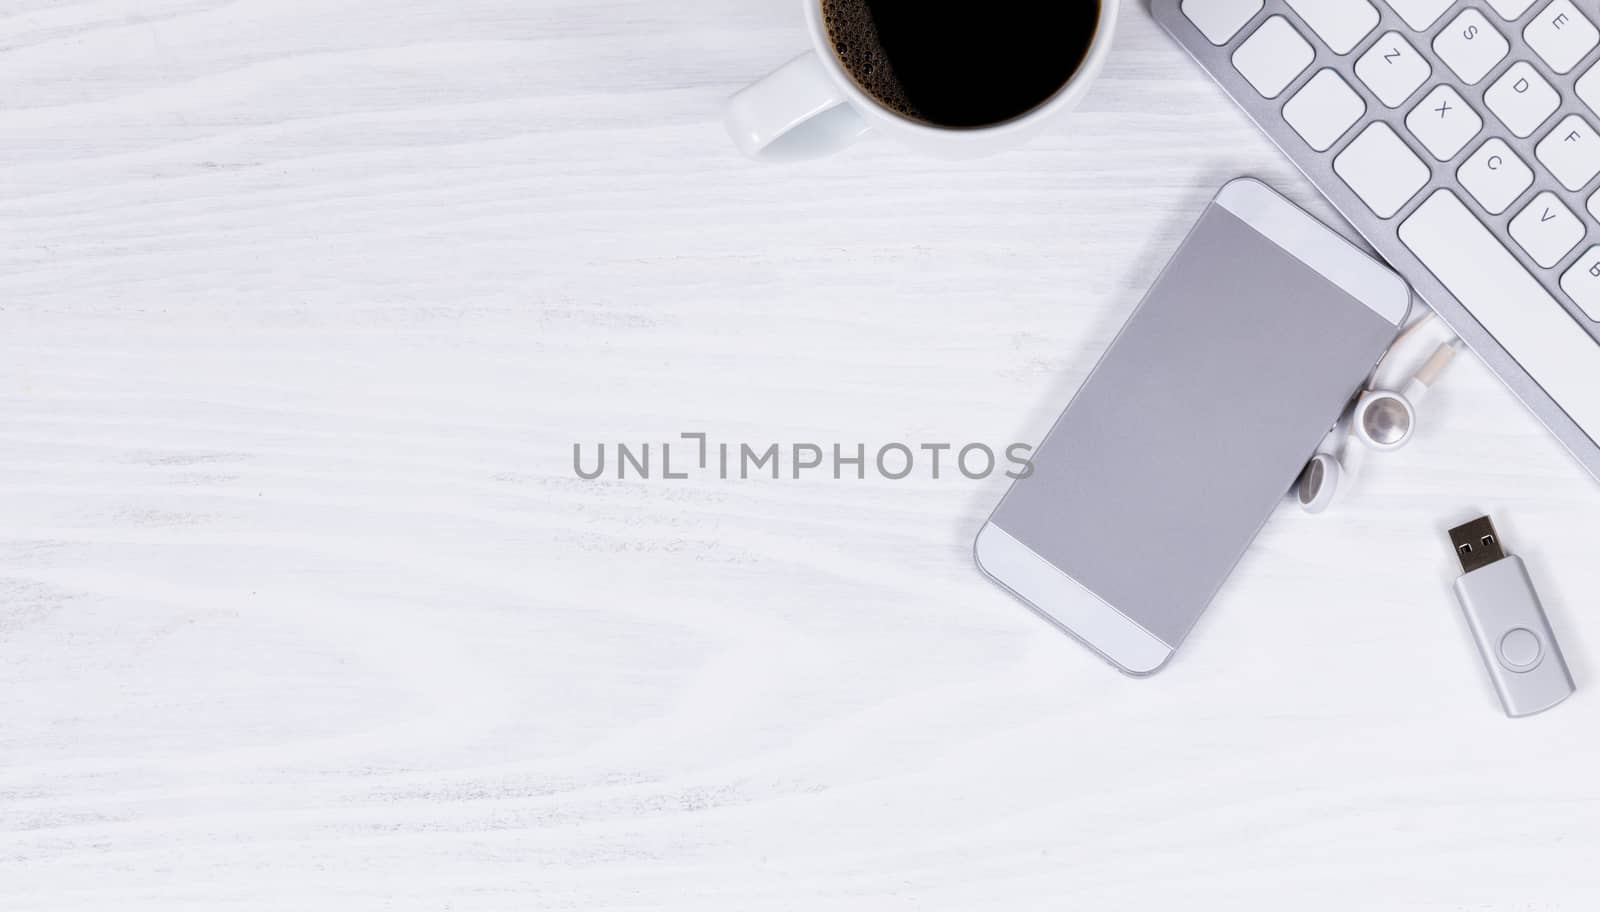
[(1459, 138)]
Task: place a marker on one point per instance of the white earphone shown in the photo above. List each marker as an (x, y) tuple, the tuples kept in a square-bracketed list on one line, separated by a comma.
[(1381, 419)]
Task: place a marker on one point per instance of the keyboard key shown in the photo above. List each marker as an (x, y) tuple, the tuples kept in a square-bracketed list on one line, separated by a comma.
[(1495, 176), (1522, 99), (1547, 229), (1508, 302), (1381, 170), (1471, 46), (1443, 122), (1220, 20), (1561, 35), (1571, 152), (1419, 14), (1393, 69), (1588, 88), (1323, 110), (1271, 58), (1582, 282), (1340, 23), (1594, 205), (1510, 9)]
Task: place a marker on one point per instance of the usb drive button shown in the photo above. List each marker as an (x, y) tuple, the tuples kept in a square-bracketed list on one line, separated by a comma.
[(1520, 650)]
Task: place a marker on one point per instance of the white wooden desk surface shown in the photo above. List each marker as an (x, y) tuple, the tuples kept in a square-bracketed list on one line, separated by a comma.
[(304, 305)]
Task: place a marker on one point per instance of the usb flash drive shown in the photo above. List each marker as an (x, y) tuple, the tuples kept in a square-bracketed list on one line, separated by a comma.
[(1513, 634)]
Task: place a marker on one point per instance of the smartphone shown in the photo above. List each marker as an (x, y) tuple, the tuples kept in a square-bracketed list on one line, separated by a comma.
[(1193, 426)]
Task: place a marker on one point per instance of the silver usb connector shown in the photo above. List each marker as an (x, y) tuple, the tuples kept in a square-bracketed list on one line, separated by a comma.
[(1476, 544)]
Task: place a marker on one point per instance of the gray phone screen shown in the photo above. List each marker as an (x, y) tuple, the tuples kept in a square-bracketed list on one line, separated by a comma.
[(1194, 425)]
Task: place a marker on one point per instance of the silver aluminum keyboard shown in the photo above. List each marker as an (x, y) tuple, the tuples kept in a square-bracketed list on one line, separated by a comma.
[(1459, 138)]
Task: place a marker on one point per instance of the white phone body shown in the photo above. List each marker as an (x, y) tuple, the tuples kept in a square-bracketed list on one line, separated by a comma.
[(1193, 425)]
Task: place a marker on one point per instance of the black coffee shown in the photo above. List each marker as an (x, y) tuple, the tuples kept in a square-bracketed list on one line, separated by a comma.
[(961, 63)]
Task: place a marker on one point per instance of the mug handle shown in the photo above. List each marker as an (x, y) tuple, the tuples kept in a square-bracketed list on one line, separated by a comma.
[(796, 112)]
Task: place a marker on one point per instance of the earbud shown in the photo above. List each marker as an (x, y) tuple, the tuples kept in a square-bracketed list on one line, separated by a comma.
[(1381, 419), (1384, 419), (1336, 465)]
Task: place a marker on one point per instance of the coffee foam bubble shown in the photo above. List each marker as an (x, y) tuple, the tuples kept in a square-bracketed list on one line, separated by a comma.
[(855, 40)]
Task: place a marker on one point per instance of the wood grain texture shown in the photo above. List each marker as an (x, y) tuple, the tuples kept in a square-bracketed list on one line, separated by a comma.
[(303, 306)]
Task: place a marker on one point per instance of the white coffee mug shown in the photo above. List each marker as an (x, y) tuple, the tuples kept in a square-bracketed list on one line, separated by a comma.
[(810, 107)]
